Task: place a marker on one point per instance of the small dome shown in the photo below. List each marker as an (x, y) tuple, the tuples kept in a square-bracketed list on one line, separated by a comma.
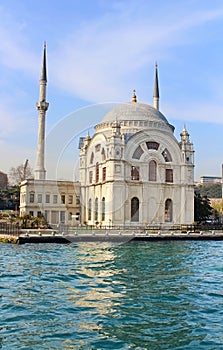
[(134, 111)]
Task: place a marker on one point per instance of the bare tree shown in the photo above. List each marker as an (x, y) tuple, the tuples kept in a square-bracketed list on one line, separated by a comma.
[(20, 173)]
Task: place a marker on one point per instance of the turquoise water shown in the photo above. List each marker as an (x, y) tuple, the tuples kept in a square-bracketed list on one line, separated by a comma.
[(166, 295)]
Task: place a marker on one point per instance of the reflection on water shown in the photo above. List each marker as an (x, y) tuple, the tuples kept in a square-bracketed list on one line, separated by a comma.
[(165, 295)]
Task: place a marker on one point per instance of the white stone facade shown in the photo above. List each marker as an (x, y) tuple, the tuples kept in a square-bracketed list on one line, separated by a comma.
[(133, 171)]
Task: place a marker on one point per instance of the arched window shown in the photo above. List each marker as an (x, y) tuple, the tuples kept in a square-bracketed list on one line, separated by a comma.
[(152, 145), (89, 209), (97, 173), (166, 155), (92, 158), (135, 173), (137, 153), (134, 209), (103, 156), (168, 210), (152, 170), (104, 174), (90, 177), (96, 210), (103, 209)]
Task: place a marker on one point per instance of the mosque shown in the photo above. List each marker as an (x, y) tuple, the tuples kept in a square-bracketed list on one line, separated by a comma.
[(133, 171)]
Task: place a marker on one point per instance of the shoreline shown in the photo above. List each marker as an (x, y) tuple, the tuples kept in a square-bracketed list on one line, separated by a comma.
[(117, 236)]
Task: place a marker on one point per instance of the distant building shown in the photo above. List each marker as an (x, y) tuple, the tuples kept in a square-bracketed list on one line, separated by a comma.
[(3, 181), (210, 179), (57, 201)]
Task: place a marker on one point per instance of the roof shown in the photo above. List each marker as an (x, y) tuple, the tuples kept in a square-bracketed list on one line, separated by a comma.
[(134, 111)]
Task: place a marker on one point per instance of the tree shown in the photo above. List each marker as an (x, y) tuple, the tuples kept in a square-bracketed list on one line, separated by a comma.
[(202, 208), (9, 198), (20, 173), (211, 190), (218, 209)]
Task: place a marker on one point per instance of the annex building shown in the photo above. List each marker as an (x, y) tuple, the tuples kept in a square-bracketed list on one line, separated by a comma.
[(133, 170)]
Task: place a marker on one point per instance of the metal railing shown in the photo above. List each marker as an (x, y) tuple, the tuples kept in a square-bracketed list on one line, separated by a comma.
[(9, 229), (142, 228)]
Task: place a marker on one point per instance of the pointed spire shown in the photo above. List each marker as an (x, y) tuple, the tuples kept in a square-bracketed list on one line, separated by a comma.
[(43, 75), (42, 107), (134, 97), (156, 89), (88, 137)]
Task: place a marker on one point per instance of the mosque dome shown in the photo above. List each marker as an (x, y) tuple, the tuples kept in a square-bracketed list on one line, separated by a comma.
[(134, 112)]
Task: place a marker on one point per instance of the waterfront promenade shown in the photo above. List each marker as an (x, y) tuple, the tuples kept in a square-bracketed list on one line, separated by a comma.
[(64, 234)]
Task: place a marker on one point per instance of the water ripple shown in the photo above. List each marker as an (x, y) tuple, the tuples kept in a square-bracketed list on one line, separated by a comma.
[(131, 296)]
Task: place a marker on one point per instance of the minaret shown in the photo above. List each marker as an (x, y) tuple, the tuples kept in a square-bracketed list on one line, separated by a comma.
[(42, 106), (156, 89)]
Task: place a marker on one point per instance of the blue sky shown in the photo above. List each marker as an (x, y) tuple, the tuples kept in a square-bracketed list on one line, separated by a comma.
[(97, 53)]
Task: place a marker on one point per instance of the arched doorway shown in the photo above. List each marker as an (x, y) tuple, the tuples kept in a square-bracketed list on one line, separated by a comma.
[(168, 210), (134, 209)]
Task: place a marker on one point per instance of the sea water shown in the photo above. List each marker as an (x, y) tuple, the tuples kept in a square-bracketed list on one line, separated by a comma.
[(148, 295)]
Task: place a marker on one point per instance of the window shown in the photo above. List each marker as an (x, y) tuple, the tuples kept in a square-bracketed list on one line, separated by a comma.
[(103, 156), (47, 198), (31, 213), (90, 177), (134, 209), (169, 175), (152, 170), (31, 197), (97, 172), (135, 173), (166, 155), (97, 148), (46, 215), (54, 217), (168, 210), (104, 174), (77, 200), (70, 216), (89, 209), (63, 198), (70, 199), (39, 198), (39, 214), (138, 152), (152, 145), (55, 199), (103, 209), (96, 210), (92, 158), (62, 217)]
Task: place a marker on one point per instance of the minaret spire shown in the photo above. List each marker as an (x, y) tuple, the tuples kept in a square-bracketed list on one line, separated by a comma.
[(42, 106), (43, 75), (156, 89)]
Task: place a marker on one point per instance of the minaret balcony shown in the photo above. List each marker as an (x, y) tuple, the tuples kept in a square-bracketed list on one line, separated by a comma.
[(42, 106)]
